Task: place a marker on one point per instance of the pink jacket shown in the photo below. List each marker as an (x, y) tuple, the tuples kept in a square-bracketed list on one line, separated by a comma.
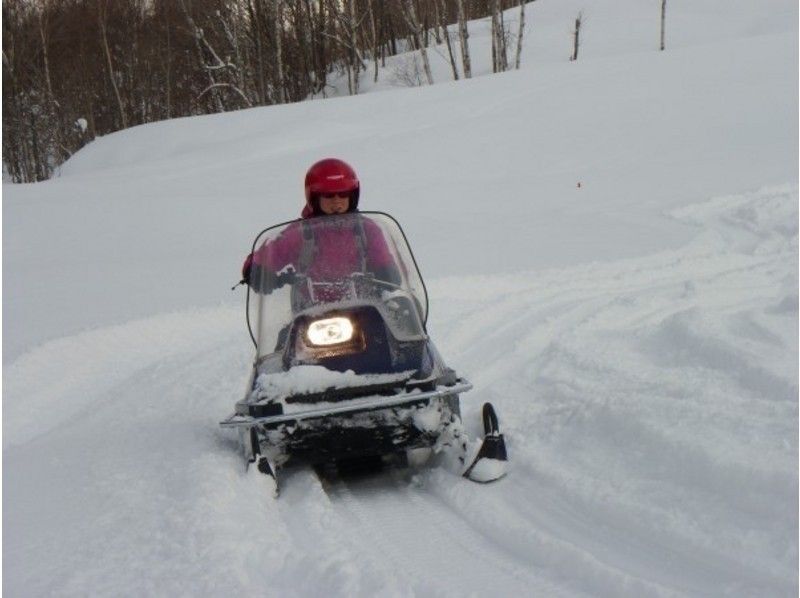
[(337, 251)]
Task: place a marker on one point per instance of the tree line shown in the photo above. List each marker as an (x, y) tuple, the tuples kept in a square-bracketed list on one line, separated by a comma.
[(77, 69)]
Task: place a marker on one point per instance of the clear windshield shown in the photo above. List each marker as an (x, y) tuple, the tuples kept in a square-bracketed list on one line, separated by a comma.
[(321, 265)]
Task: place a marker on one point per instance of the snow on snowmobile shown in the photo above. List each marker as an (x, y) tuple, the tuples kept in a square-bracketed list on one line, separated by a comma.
[(344, 368)]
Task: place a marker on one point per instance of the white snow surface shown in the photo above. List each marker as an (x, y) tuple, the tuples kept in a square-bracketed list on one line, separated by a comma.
[(637, 334)]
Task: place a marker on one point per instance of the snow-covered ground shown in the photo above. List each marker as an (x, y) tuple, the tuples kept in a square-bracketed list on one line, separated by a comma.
[(638, 334)]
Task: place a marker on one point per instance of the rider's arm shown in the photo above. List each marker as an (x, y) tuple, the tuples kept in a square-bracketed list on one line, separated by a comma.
[(281, 252), (261, 268), (381, 262)]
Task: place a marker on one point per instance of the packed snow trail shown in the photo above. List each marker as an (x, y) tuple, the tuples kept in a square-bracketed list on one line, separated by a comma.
[(649, 406)]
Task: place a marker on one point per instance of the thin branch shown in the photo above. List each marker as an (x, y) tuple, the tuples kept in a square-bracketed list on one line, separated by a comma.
[(229, 86)]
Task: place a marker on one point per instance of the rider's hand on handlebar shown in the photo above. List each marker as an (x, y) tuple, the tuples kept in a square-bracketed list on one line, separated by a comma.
[(264, 281)]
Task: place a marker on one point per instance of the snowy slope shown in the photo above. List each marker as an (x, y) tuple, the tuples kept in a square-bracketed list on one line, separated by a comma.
[(638, 335), (166, 210)]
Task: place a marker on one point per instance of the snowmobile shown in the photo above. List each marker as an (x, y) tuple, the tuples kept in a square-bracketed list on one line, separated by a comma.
[(344, 368)]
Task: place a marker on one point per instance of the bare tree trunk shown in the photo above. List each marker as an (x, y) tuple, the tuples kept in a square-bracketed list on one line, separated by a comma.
[(325, 47), (254, 20), (353, 31), (494, 36), (198, 35), (316, 27), (52, 119), (37, 163), (302, 39), (392, 36), (168, 74), (45, 54), (231, 31), (520, 33), (413, 22), (576, 38), (278, 27), (382, 33), (437, 22), (502, 40), (425, 28), (374, 31), (441, 13), (19, 162), (101, 13), (346, 36), (663, 20), (499, 55), (463, 38)]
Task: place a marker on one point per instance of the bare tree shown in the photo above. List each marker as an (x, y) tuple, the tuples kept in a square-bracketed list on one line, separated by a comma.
[(102, 8), (278, 33), (374, 38), (213, 86), (352, 43), (348, 25), (416, 32), (463, 38), (50, 106), (230, 24), (441, 16), (499, 53), (43, 18), (110, 64), (576, 37), (520, 33), (167, 62)]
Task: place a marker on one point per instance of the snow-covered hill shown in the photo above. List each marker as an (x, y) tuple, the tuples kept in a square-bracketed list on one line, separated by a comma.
[(638, 333)]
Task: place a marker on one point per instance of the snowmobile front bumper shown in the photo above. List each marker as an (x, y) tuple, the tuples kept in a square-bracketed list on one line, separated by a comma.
[(347, 408), (355, 428)]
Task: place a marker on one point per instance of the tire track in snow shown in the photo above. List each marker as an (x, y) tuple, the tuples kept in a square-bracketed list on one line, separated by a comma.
[(587, 377), (331, 558), (585, 523), (556, 557), (429, 542)]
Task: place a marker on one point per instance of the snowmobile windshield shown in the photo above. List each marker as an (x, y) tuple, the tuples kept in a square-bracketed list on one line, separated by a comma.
[(326, 266)]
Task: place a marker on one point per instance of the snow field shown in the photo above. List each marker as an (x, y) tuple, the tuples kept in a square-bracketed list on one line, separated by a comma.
[(655, 384), (649, 406), (638, 334)]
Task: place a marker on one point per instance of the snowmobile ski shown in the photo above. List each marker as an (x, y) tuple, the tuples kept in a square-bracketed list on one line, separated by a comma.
[(489, 464), (262, 464)]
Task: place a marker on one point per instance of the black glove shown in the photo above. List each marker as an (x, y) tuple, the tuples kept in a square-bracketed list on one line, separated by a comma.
[(264, 280)]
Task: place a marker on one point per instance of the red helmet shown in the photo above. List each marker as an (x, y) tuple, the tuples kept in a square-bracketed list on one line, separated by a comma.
[(331, 176)]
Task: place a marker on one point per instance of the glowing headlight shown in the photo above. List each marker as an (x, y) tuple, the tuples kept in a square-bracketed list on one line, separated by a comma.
[(330, 331)]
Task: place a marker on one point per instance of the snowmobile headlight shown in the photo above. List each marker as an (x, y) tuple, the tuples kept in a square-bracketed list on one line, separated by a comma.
[(330, 331)]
